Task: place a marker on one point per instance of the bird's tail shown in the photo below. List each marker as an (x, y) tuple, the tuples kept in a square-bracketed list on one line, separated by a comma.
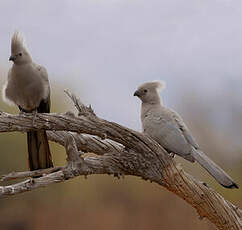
[(38, 150), (220, 176)]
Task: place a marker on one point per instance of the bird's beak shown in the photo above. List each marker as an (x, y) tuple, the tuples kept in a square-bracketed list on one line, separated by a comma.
[(137, 93), (12, 58)]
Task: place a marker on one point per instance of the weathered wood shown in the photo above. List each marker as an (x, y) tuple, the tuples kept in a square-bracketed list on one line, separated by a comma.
[(119, 151)]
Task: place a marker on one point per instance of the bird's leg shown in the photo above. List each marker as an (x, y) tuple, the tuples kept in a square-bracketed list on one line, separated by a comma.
[(172, 154), (34, 112), (21, 112)]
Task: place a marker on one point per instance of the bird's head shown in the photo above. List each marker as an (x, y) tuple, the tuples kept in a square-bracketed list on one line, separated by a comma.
[(19, 53), (149, 92)]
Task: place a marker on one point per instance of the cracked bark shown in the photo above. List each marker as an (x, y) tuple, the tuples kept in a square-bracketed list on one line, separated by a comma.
[(119, 151)]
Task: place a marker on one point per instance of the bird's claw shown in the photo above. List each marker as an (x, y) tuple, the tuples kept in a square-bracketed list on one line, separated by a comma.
[(172, 155)]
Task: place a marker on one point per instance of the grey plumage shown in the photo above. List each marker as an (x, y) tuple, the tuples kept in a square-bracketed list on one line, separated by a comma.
[(168, 129), (28, 88)]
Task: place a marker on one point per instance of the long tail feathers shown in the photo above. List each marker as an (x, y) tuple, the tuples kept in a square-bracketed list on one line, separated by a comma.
[(220, 176), (38, 150)]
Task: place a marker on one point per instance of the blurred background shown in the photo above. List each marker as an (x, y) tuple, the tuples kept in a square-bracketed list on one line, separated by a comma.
[(102, 50)]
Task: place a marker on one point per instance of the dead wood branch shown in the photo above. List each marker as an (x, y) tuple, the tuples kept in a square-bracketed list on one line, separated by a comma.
[(119, 151)]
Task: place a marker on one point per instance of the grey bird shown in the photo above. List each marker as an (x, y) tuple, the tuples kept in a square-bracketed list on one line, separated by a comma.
[(28, 87), (167, 128)]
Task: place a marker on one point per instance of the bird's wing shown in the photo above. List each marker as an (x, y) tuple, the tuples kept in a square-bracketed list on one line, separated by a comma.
[(43, 72), (161, 127), (44, 76), (185, 131), (45, 104)]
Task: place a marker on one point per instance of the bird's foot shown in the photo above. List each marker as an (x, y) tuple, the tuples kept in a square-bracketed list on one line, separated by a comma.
[(172, 154)]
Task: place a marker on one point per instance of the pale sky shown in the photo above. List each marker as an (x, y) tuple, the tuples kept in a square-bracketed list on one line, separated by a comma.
[(103, 49)]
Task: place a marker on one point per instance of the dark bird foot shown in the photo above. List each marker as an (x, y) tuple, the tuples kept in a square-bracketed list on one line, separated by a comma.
[(172, 154)]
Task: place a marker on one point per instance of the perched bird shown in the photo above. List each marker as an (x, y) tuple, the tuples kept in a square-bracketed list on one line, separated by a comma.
[(28, 88), (167, 128)]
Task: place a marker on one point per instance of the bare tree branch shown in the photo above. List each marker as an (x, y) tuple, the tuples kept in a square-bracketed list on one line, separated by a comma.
[(86, 143), (36, 173), (119, 151)]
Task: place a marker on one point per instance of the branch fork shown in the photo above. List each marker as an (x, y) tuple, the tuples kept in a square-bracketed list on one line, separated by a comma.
[(119, 151)]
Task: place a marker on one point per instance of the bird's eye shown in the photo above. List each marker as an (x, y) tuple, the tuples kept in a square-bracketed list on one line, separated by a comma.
[(145, 90), (20, 54)]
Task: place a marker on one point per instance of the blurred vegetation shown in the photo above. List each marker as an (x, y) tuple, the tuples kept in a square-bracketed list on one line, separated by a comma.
[(104, 202)]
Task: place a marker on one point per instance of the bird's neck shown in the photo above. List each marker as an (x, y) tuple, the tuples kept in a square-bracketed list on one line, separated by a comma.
[(147, 107)]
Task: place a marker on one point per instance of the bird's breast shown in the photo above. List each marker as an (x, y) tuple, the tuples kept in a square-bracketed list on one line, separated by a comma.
[(25, 87)]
